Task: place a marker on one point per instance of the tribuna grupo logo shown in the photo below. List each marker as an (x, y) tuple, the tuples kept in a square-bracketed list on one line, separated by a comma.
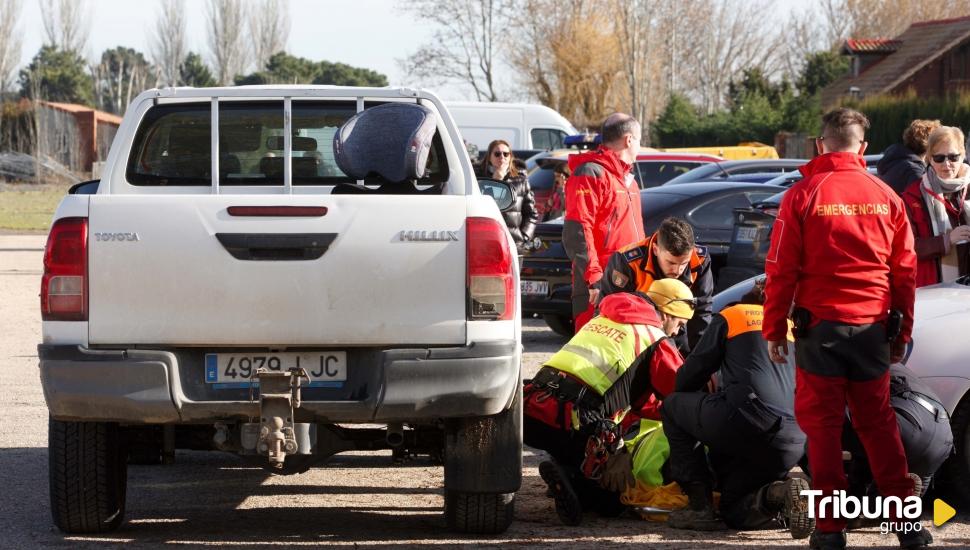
[(897, 515)]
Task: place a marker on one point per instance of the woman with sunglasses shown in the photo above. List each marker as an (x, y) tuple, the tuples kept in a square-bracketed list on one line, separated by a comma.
[(522, 216), (938, 211)]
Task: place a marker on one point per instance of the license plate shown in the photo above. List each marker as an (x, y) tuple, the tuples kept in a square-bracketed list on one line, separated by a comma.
[(746, 234), (327, 369), (534, 288)]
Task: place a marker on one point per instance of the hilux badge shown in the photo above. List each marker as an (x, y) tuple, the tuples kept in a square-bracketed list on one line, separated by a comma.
[(412, 235)]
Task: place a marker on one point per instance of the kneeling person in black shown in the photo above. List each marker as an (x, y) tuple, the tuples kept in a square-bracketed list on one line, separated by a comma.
[(748, 427)]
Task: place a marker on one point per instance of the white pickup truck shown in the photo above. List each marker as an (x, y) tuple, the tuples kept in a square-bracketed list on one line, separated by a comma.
[(285, 273)]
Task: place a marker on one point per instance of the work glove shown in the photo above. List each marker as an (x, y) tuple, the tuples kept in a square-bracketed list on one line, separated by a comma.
[(618, 473)]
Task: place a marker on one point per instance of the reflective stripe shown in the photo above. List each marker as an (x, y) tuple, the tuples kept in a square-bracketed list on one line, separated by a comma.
[(592, 357)]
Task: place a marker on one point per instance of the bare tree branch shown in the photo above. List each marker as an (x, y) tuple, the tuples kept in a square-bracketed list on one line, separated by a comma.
[(10, 41), (67, 24), (168, 47), (269, 26), (463, 47), (226, 20)]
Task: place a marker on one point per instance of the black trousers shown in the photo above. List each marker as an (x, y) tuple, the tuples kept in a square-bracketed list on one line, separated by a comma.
[(568, 449), (750, 444)]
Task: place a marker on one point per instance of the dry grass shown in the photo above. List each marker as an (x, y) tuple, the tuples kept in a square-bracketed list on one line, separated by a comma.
[(29, 207)]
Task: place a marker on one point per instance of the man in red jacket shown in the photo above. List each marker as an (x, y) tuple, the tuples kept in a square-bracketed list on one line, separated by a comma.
[(602, 209), (842, 251)]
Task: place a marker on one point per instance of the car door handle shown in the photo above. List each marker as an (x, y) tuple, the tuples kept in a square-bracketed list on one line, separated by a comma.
[(276, 246)]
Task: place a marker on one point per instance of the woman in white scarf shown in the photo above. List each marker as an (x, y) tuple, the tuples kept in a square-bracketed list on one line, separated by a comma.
[(938, 211)]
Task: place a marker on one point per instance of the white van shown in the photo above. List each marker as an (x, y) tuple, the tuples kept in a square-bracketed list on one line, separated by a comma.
[(523, 125)]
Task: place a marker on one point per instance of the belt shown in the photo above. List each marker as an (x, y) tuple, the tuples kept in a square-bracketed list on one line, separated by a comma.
[(938, 412), (567, 388)]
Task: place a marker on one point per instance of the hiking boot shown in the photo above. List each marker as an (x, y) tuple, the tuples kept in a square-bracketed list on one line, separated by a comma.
[(914, 540), (786, 496), (568, 507), (696, 520), (827, 541)]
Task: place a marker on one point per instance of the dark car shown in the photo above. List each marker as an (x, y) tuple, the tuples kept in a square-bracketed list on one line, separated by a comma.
[(752, 233), (726, 168), (709, 207)]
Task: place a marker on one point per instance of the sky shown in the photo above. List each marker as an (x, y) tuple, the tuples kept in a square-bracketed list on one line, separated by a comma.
[(372, 34)]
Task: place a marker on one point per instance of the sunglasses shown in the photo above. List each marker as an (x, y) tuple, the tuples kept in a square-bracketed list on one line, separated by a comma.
[(498, 154), (952, 157)]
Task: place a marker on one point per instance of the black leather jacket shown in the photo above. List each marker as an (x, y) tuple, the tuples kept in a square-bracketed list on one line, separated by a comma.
[(522, 216)]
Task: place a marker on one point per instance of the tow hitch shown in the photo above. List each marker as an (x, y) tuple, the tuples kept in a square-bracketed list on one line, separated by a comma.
[(276, 435)]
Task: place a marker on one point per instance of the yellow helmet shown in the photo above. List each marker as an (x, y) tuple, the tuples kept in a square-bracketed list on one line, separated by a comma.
[(672, 297)]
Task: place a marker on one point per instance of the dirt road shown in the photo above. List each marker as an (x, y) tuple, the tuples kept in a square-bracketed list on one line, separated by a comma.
[(212, 499)]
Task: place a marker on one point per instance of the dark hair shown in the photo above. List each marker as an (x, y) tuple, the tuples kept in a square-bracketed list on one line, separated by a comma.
[(562, 168), (916, 136), (675, 236), (839, 128), (755, 296), (513, 169), (618, 125)]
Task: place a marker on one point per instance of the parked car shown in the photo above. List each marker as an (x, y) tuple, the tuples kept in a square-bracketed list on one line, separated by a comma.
[(546, 277), (724, 169), (650, 170), (752, 233), (523, 125), (937, 357)]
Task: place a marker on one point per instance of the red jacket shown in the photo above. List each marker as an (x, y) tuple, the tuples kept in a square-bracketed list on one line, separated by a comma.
[(665, 360), (841, 247), (929, 248), (602, 211)]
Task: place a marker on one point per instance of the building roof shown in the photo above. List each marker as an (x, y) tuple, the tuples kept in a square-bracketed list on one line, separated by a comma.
[(870, 45), (921, 44), (99, 116)]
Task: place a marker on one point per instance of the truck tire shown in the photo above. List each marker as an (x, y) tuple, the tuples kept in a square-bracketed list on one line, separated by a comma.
[(559, 324), (88, 476), (483, 470), (483, 513), (956, 470)]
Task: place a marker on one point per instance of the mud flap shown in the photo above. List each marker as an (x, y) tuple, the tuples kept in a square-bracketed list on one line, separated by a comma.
[(484, 455)]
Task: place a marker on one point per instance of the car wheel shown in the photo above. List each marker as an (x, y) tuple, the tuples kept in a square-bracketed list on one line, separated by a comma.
[(88, 476), (956, 470), (560, 324), (483, 470)]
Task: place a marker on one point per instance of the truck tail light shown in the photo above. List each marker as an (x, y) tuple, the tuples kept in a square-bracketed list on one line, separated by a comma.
[(491, 280), (64, 286)]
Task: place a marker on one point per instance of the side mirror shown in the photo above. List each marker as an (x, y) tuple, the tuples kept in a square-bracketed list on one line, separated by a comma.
[(498, 190)]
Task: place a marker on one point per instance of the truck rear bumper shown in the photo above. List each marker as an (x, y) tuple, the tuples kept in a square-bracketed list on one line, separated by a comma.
[(414, 384)]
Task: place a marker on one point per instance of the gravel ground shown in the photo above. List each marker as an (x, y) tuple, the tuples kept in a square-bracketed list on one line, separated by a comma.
[(358, 500)]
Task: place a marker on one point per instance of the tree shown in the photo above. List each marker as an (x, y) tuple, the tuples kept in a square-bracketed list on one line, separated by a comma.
[(821, 69), (754, 83), (122, 73), (463, 46), (10, 41), (57, 75), (193, 72), (678, 118), (230, 57), (283, 68), (269, 26), (67, 24), (167, 47)]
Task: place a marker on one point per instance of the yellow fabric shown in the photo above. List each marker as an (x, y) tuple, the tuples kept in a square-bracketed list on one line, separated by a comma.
[(602, 351), (668, 497), (650, 450)]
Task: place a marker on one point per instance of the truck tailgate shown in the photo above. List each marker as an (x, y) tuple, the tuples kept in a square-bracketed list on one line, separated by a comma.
[(162, 272)]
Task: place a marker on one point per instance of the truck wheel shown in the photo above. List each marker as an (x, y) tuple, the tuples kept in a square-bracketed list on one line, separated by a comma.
[(88, 476), (560, 324), (956, 470), (483, 470)]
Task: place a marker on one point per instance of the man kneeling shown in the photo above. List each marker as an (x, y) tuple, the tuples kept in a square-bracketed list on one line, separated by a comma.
[(748, 426), (620, 361)]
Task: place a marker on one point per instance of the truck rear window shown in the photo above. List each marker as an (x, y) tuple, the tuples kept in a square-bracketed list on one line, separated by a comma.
[(173, 145)]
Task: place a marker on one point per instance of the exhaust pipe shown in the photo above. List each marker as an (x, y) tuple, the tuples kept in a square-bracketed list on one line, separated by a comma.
[(395, 435)]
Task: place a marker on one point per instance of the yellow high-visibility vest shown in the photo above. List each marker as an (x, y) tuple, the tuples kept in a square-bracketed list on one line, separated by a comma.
[(603, 350)]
